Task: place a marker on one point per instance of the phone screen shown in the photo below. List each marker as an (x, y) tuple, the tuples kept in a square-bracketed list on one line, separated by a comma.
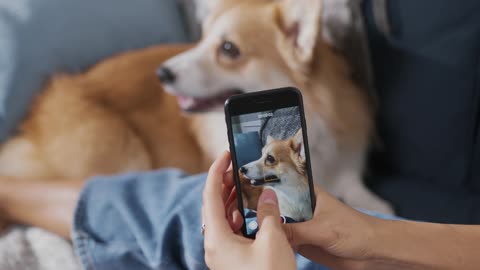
[(269, 152)]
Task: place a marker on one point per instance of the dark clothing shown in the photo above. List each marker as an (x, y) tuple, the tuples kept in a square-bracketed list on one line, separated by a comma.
[(427, 76)]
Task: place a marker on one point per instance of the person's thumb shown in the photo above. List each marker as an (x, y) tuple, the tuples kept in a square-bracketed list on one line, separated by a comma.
[(299, 233), (268, 207)]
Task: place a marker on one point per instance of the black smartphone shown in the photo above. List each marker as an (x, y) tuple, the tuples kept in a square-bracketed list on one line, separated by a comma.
[(268, 142)]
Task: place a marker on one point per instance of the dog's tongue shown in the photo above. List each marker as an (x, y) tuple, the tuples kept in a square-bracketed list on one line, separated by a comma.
[(185, 102), (192, 104)]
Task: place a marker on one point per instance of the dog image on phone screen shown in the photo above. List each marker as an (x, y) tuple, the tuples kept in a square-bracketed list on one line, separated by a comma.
[(269, 150), (282, 169)]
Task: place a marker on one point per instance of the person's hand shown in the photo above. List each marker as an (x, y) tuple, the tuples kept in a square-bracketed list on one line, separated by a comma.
[(224, 249), (337, 236)]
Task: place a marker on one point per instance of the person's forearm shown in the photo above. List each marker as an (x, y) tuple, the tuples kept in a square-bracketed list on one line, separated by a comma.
[(416, 245), (46, 204)]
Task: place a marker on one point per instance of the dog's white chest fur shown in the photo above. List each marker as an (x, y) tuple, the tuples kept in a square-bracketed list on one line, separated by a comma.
[(323, 150), (294, 201), (212, 133)]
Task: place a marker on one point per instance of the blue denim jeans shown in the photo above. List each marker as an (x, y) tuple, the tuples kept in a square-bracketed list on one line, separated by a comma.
[(143, 221)]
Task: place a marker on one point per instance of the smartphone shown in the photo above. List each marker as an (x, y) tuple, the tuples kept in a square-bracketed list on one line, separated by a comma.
[(268, 142)]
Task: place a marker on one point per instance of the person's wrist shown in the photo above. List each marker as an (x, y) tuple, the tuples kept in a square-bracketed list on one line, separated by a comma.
[(373, 238), (384, 234), (385, 245)]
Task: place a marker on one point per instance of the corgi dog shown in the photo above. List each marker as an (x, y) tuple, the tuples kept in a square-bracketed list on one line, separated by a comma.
[(282, 169), (116, 117), (252, 45)]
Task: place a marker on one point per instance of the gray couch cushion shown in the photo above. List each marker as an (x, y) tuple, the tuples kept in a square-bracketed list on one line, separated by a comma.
[(248, 147), (41, 37)]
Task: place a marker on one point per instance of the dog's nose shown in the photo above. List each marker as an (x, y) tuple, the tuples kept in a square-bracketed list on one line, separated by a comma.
[(243, 170), (166, 75)]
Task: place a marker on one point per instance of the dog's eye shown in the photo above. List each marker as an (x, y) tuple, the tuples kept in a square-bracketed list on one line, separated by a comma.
[(229, 49), (270, 159)]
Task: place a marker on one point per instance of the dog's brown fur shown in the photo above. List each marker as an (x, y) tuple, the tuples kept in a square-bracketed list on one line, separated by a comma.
[(116, 118), (289, 166), (113, 118), (250, 193)]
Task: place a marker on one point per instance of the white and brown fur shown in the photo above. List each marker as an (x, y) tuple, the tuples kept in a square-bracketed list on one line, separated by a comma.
[(281, 44), (115, 117), (285, 160)]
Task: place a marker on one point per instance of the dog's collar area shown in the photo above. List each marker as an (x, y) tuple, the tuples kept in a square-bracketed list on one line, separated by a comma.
[(266, 180), (205, 104)]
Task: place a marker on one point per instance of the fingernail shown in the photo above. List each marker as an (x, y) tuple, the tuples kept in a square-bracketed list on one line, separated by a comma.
[(268, 197)]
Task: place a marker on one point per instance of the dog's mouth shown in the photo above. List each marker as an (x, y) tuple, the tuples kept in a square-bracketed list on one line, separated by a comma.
[(202, 104), (265, 180)]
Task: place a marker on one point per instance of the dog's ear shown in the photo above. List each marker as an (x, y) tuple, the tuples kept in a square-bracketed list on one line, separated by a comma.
[(297, 144), (269, 139), (300, 22)]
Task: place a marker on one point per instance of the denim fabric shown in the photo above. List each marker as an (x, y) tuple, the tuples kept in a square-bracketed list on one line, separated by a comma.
[(143, 221)]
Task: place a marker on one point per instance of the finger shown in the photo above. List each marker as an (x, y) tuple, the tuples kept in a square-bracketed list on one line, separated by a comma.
[(232, 198), (230, 206), (237, 221), (315, 231), (234, 216), (214, 213), (228, 184), (303, 233), (299, 233), (268, 206), (229, 191), (228, 180), (225, 194)]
